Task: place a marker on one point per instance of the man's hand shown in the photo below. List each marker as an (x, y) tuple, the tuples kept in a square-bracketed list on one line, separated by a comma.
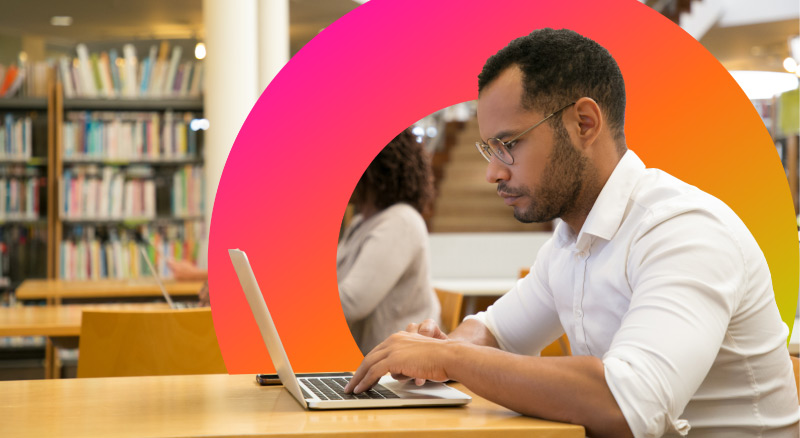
[(405, 355), (427, 328), (184, 270)]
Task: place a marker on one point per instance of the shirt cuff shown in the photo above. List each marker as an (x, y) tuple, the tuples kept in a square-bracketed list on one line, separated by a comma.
[(643, 404)]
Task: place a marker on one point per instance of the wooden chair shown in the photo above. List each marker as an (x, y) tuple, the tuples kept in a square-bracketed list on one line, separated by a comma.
[(451, 303), (559, 347), (148, 343), (796, 363)]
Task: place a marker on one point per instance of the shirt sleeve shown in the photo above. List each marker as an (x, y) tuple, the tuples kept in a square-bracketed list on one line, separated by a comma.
[(524, 320), (686, 274), (380, 262)]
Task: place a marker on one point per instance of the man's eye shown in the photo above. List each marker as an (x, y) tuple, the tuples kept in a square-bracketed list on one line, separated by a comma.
[(510, 145)]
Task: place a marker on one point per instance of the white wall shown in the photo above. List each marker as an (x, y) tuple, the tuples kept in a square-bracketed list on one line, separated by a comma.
[(483, 255)]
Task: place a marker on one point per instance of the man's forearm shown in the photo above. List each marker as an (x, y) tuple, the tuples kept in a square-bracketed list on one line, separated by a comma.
[(570, 389)]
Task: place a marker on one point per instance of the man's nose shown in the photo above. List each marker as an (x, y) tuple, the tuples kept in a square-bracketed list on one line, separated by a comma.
[(496, 171)]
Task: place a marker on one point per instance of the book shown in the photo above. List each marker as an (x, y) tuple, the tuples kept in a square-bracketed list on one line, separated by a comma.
[(16, 84), (65, 70), (129, 86), (116, 79), (147, 76), (96, 76), (197, 79), (11, 74), (186, 79), (88, 85), (106, 80), (172, 71)]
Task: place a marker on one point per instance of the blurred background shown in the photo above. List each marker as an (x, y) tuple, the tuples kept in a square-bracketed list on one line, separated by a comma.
[(110, 136)]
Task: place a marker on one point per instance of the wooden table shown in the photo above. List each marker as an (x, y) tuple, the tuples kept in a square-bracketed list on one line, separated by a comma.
[(55, 290), (224, 406), (60, 324), (56, 321)]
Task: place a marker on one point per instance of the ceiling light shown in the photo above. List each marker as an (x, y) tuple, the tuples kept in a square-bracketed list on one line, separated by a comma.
[(790, 64), (61, 20), (764, 84), (200, 51)]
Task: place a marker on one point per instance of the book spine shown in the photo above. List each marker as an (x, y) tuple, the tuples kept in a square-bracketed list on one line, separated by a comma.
[(11, 74), (169, 83), (116, 78), (105, 75), (129, 52)]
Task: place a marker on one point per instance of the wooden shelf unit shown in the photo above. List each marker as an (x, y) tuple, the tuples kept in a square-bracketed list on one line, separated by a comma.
[(54, 104)]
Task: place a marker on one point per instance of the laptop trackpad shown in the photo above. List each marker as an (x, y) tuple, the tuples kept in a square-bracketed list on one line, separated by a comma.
[(429, 390)]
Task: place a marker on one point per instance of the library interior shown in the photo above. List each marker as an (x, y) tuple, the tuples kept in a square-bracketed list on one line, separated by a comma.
[(116, 120)]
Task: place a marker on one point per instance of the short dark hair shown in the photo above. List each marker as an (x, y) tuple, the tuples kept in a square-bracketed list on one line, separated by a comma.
[(401, 172), (559, 67)]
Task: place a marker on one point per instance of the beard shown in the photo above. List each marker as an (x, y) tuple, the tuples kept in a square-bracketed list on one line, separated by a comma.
[(561, 184)]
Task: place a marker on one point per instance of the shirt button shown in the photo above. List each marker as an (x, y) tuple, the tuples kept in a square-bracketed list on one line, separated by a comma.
[(579, 313)]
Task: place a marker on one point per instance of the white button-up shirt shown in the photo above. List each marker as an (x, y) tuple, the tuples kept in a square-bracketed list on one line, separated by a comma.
[(666, 284)]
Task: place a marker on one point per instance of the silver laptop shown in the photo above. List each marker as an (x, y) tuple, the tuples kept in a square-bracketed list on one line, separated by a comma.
[(327, 392), (154, 271), (141, 242)]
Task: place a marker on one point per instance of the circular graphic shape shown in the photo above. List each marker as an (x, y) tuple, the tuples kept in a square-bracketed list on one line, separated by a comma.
[(387, 64)]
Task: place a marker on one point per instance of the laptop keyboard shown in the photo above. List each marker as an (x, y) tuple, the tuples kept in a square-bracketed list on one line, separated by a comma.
[(332, 388)]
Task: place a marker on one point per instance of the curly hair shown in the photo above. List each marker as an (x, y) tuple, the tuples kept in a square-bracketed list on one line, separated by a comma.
[(401, 172), (561, 66)]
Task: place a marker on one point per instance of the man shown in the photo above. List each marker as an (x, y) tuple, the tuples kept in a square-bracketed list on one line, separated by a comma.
[(663, 292)]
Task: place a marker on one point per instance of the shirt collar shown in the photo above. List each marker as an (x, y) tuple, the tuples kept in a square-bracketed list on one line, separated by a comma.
[(609, 208)]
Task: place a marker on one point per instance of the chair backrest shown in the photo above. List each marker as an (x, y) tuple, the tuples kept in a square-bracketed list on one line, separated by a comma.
[(148, 343), (451, 303), (796, 363)]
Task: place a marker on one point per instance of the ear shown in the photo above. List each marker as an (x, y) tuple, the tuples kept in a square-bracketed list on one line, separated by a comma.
[(590, 122)]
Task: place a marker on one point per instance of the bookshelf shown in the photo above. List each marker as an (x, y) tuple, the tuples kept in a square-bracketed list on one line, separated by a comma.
[(127, 168), (157, 188), (24, 177)]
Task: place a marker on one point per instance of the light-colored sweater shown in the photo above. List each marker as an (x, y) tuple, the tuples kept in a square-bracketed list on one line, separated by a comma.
[(382, 265)]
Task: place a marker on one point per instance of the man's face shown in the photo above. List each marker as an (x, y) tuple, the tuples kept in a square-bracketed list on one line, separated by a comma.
[(548, 172)]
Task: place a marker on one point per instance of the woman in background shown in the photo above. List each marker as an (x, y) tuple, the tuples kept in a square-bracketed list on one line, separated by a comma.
[(382, 261)]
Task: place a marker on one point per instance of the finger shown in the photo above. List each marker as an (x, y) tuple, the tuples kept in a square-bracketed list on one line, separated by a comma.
[(400, 377), (412, 328), (419, 382), (359, 374), (375, 355), (371, 377), (428, 328)]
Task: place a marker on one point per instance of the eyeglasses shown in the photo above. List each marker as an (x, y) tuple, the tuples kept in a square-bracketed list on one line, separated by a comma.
[(502, 149)]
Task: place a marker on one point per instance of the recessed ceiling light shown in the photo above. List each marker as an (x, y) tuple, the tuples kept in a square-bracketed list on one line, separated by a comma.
[(61, 20)]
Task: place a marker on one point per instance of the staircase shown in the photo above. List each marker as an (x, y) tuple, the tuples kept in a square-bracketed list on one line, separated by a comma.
[(465, 202)]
